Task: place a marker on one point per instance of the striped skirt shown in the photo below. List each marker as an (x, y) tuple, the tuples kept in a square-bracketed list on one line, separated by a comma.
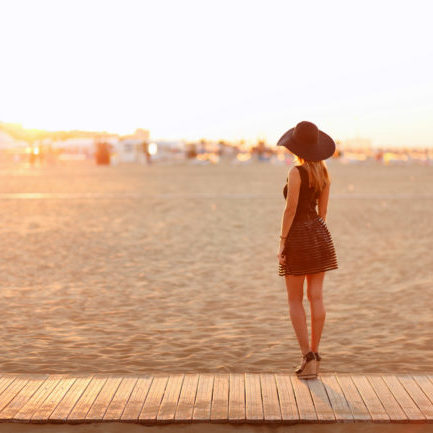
[(308, 249)]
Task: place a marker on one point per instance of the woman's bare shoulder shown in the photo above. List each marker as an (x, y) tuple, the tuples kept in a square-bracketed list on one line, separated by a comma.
[(294, 172)]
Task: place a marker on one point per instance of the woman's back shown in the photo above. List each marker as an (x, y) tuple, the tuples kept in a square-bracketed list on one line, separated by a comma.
[(308, 197), (308, 247)]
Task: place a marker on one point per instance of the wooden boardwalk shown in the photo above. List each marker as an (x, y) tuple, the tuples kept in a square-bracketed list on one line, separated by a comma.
[(223, 398)]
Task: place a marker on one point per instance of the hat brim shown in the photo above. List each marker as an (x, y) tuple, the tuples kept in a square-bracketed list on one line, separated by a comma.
[(323, 149)]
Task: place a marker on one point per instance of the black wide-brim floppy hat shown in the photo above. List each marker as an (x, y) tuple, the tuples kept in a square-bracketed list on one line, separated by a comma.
[(308, 142)]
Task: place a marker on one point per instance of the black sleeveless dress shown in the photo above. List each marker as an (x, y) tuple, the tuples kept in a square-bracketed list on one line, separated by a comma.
[(309, 247)]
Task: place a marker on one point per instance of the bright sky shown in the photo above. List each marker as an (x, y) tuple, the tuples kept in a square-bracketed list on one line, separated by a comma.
[(220, 69)]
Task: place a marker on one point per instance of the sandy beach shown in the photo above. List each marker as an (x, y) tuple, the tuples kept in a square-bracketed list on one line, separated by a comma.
[(172, 268)]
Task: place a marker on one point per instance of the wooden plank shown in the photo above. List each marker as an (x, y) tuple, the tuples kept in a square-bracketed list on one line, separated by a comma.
[(286, 396), (5, 381), (102, 401), (120, 398), (185, 406), (353, 398), (374, 406), (403, 398), (417, 395), (167, 409), (27, 411), (336, 396), (220, 399), (237, 397), (23, 396), (387, 399), (150, 408), (303, 399), (425, 384), (271, 404), (83, 405), (325, 412), (45, 409), (253, 398), (68, 401), (12, 390), (137, 399), (203, 398)]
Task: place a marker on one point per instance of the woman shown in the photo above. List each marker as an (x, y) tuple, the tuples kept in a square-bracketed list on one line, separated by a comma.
[(306, 246)]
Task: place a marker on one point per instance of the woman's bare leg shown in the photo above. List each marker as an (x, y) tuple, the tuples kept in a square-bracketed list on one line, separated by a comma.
[(295, 292), (318, 313)]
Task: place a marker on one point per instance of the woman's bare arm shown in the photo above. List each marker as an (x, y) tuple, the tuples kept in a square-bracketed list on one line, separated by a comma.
[(323, 201), (294, 184)]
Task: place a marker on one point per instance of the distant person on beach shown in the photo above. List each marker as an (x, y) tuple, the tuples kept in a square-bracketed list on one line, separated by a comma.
[(306, 246), (145, 146)]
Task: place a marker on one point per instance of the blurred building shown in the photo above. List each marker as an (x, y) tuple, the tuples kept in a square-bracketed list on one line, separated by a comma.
[(357, 143)]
